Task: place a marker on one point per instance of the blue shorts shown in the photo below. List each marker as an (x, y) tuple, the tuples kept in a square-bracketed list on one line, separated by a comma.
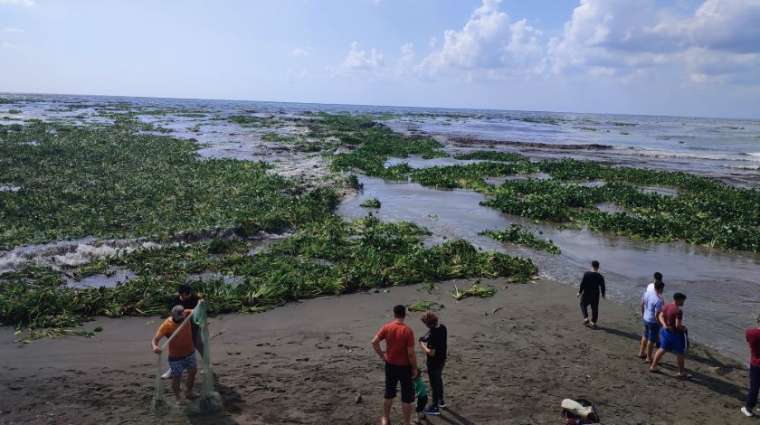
[(651, 330), (180, 365), (674, 342)]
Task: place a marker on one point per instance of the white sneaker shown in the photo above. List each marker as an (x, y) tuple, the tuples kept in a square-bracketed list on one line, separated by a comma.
[(747, 413), (167, 374)]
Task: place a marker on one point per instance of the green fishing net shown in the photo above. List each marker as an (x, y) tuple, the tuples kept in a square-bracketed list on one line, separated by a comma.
[(209, 401)]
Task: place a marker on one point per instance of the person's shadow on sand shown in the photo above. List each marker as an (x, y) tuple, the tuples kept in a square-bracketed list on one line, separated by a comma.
[(452, 417), (714, 384)]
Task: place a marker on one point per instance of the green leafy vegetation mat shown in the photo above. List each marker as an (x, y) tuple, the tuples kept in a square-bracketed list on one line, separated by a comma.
[(705, 212), (518, 235), (114, 181), (324, 257), (124, 181)]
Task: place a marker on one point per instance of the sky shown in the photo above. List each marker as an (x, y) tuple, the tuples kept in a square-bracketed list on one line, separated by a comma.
[(661, 57)]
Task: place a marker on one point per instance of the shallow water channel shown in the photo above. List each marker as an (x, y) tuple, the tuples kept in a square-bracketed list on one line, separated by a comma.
[(722, 287)]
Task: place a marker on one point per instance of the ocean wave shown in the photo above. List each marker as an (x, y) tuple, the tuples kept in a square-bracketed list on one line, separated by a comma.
[(739, 157)]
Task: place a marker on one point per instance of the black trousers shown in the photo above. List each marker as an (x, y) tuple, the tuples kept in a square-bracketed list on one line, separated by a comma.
[(594, 303), (754, 386), (421, 402), (435, 372)]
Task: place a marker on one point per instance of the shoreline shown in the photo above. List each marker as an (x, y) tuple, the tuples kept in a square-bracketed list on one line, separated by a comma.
[(307, 361)]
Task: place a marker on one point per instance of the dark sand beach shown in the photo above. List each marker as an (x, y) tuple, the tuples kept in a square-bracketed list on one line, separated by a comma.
[(512, 359)]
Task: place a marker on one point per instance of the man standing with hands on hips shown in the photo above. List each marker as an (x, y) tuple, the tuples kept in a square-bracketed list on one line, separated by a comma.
[(400, 363)]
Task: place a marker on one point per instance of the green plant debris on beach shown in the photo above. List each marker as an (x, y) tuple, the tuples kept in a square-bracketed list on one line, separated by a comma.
[(372, 144), (255, 121), (113, 181), (326, 257), (423, 306), (518, 235), (371, 203), (706, 212), (475, 290)]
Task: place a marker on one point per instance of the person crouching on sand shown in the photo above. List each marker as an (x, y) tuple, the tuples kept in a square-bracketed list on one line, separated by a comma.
[(434, 346), (753, 339), (400, 363), (592, 285), (672, 335), (181, 350), (420, 390), (651, 305)]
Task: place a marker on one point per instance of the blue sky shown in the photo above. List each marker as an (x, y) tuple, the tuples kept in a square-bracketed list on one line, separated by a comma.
[(682, 57)]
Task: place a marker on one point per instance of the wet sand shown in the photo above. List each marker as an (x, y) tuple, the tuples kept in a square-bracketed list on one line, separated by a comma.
[(513, 358)]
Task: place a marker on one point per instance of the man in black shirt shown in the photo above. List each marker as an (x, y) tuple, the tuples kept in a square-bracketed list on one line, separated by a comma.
[(187, 298), (591, 286), (434, 346)]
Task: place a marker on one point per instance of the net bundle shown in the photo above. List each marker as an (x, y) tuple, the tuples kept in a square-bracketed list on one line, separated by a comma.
[(209, 401)]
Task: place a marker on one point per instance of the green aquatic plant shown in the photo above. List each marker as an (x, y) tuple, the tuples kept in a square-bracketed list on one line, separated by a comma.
[(371, 203), (279, 138), (324, 257), (492, 156), (114, 181), (515, 233), (371, 144), (475, 290), (424, 306)]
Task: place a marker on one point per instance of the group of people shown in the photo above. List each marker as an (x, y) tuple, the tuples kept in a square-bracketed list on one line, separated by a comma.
[(664, 329), (401, 367)]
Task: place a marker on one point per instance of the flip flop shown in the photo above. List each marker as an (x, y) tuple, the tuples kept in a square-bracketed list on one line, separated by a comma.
[(654, 370), (683, 377)]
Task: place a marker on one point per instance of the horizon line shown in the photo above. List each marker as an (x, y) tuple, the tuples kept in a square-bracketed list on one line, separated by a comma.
[(423, 107)]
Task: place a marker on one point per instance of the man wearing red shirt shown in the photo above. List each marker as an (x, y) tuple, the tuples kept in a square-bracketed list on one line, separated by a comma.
[(400, 363), (672, 334), (753, 339)]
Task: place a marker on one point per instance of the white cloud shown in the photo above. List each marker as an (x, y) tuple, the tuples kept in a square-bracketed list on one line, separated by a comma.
[(299, 52), (12, 30), (358, 59), (489, 40), (623, 38), (18, 2)]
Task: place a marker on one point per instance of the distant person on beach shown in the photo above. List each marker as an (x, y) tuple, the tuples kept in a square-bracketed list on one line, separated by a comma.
[(672, 335), (400, 363), (420, 390), (592, 285), (434, 345), (188, 299), (181, 350), (753, 339), (651, 306)]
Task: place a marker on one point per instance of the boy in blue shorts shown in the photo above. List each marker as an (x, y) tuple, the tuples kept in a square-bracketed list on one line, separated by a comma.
[(672, 334)]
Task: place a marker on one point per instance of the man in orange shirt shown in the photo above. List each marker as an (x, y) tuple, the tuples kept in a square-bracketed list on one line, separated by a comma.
[(400, 363), (181, 349)]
